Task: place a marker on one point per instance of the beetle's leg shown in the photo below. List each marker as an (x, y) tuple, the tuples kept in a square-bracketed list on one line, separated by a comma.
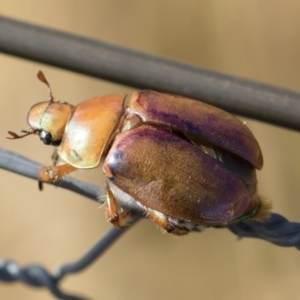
[(119, 219), (54, 173), (162, 221), (55, 157)]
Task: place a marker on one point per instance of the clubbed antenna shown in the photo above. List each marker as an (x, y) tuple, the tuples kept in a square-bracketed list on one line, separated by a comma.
[(43, 79)]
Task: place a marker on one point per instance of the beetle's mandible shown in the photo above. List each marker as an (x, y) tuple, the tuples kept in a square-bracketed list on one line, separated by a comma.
[(187, 164)]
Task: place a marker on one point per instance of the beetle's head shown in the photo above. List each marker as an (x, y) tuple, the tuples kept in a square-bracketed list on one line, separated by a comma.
[(47, 119)]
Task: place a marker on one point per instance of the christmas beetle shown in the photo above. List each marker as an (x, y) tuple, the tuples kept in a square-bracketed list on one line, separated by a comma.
[(187, 164)]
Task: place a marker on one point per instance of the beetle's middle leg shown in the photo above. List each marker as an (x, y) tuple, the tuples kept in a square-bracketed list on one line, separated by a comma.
[(117, 218), (54, 173)]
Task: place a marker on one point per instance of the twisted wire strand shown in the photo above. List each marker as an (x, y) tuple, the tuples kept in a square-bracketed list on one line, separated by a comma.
[(36, 275), (259, 101), (33, 275), (277, 230)]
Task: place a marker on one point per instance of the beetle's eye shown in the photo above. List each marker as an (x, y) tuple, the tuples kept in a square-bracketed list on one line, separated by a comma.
[(46, 137)]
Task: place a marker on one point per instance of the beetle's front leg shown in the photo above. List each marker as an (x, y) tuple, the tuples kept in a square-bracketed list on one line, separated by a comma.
[(54, 173), (118, 219), (55, 157)]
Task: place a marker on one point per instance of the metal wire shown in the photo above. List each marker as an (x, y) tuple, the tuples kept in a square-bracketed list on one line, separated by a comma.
[(94, 58), (33, 275), (38, 276), (133, 68), (23, 166), (277, 229)]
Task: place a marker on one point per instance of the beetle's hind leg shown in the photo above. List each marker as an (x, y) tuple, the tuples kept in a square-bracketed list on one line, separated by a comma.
[(117, 218), (166, 223)]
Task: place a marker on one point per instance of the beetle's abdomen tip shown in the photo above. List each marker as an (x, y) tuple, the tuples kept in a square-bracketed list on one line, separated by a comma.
[(264, 210)]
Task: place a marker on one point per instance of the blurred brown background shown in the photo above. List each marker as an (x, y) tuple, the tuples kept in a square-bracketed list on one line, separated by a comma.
[(255, 39)]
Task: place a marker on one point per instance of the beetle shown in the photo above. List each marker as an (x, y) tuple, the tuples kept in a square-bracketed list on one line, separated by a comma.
[(187, 164)]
